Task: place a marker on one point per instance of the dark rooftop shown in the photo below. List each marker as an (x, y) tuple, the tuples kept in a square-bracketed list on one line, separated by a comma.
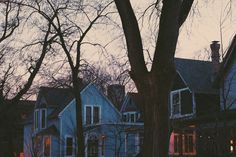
[(196, 74)]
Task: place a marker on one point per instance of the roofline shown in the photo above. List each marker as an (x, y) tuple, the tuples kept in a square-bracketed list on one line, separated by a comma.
[(59, 115), (90, 84), (183, 80)]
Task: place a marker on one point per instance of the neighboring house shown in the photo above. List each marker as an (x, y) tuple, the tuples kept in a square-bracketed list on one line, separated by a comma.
[(192, 98), (18, 115), (132, 115), (52, 130), (226, 119)]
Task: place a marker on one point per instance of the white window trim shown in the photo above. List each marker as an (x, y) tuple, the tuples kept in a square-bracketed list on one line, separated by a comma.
[(92, 108), (36, 127), (128, 115), (41, 118), (72, 146), (171, 104), (50, 146)]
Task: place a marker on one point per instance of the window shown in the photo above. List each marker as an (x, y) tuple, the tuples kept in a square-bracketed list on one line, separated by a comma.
[(40, 119), (132, 117), (36, 119), (232, 145), (43, 118), (176, 103), (124, 117), (69, 146), (47, 146), (88, 115), (96, 114), (103, 145), (92, 114), (177, 144), (181, 102), (189, 144)]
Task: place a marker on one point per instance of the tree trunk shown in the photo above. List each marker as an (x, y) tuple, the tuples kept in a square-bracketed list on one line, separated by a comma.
[(155, 91), (79, 123)]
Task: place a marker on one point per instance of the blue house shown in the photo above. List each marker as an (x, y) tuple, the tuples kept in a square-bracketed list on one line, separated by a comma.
[(51, 130)]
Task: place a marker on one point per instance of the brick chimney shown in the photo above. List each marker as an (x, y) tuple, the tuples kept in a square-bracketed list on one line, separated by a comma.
[(215, 56)]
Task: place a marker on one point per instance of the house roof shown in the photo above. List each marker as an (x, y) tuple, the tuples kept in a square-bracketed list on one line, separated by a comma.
[(58, 98), (196, 74)]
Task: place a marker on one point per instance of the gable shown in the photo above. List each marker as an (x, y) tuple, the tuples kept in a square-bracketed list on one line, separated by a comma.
[(91, 96), (179, 83)]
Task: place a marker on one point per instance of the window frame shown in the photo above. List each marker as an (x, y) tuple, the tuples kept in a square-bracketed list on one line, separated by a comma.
[(172, 93), (36, 119), (186, 150), (92, 114)]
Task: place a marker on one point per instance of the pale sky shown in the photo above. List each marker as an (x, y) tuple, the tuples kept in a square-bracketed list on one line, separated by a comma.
[(203, 26)]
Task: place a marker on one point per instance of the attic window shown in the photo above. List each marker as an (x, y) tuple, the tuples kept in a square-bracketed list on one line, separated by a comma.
[(176, 103), (36, 119), (43, 118), (181, 102), (92, 114)]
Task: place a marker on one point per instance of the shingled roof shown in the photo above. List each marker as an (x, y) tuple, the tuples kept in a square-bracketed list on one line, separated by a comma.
[(196, 74), (56, 98)]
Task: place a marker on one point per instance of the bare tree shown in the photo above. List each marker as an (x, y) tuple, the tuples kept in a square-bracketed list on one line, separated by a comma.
[(154, 85)]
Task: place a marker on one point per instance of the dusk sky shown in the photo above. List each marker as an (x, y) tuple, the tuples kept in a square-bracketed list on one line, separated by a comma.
[(203, 26)]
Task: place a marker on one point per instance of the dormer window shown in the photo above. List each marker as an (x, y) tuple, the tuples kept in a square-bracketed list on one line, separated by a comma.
[(40, 116), (36, 119), (131, 117), (43, 118), (181, 102)]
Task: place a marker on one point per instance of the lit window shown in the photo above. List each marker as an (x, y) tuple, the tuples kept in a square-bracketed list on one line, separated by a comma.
[(189, 144), (47, 146), (177, 143), (69, 146), (232, 144)]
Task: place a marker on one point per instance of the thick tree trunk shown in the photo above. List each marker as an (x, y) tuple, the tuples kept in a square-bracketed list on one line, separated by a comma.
[(79, 123), (155, 91)]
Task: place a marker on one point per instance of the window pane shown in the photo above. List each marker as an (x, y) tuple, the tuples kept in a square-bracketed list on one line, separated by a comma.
[(69, 146), (43, 119), (47, 144), (176, 103), (131, 117), (88, 115), (96, 115)]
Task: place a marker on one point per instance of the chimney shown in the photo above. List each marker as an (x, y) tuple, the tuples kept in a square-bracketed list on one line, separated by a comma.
[(116, 94), (215, 56)]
